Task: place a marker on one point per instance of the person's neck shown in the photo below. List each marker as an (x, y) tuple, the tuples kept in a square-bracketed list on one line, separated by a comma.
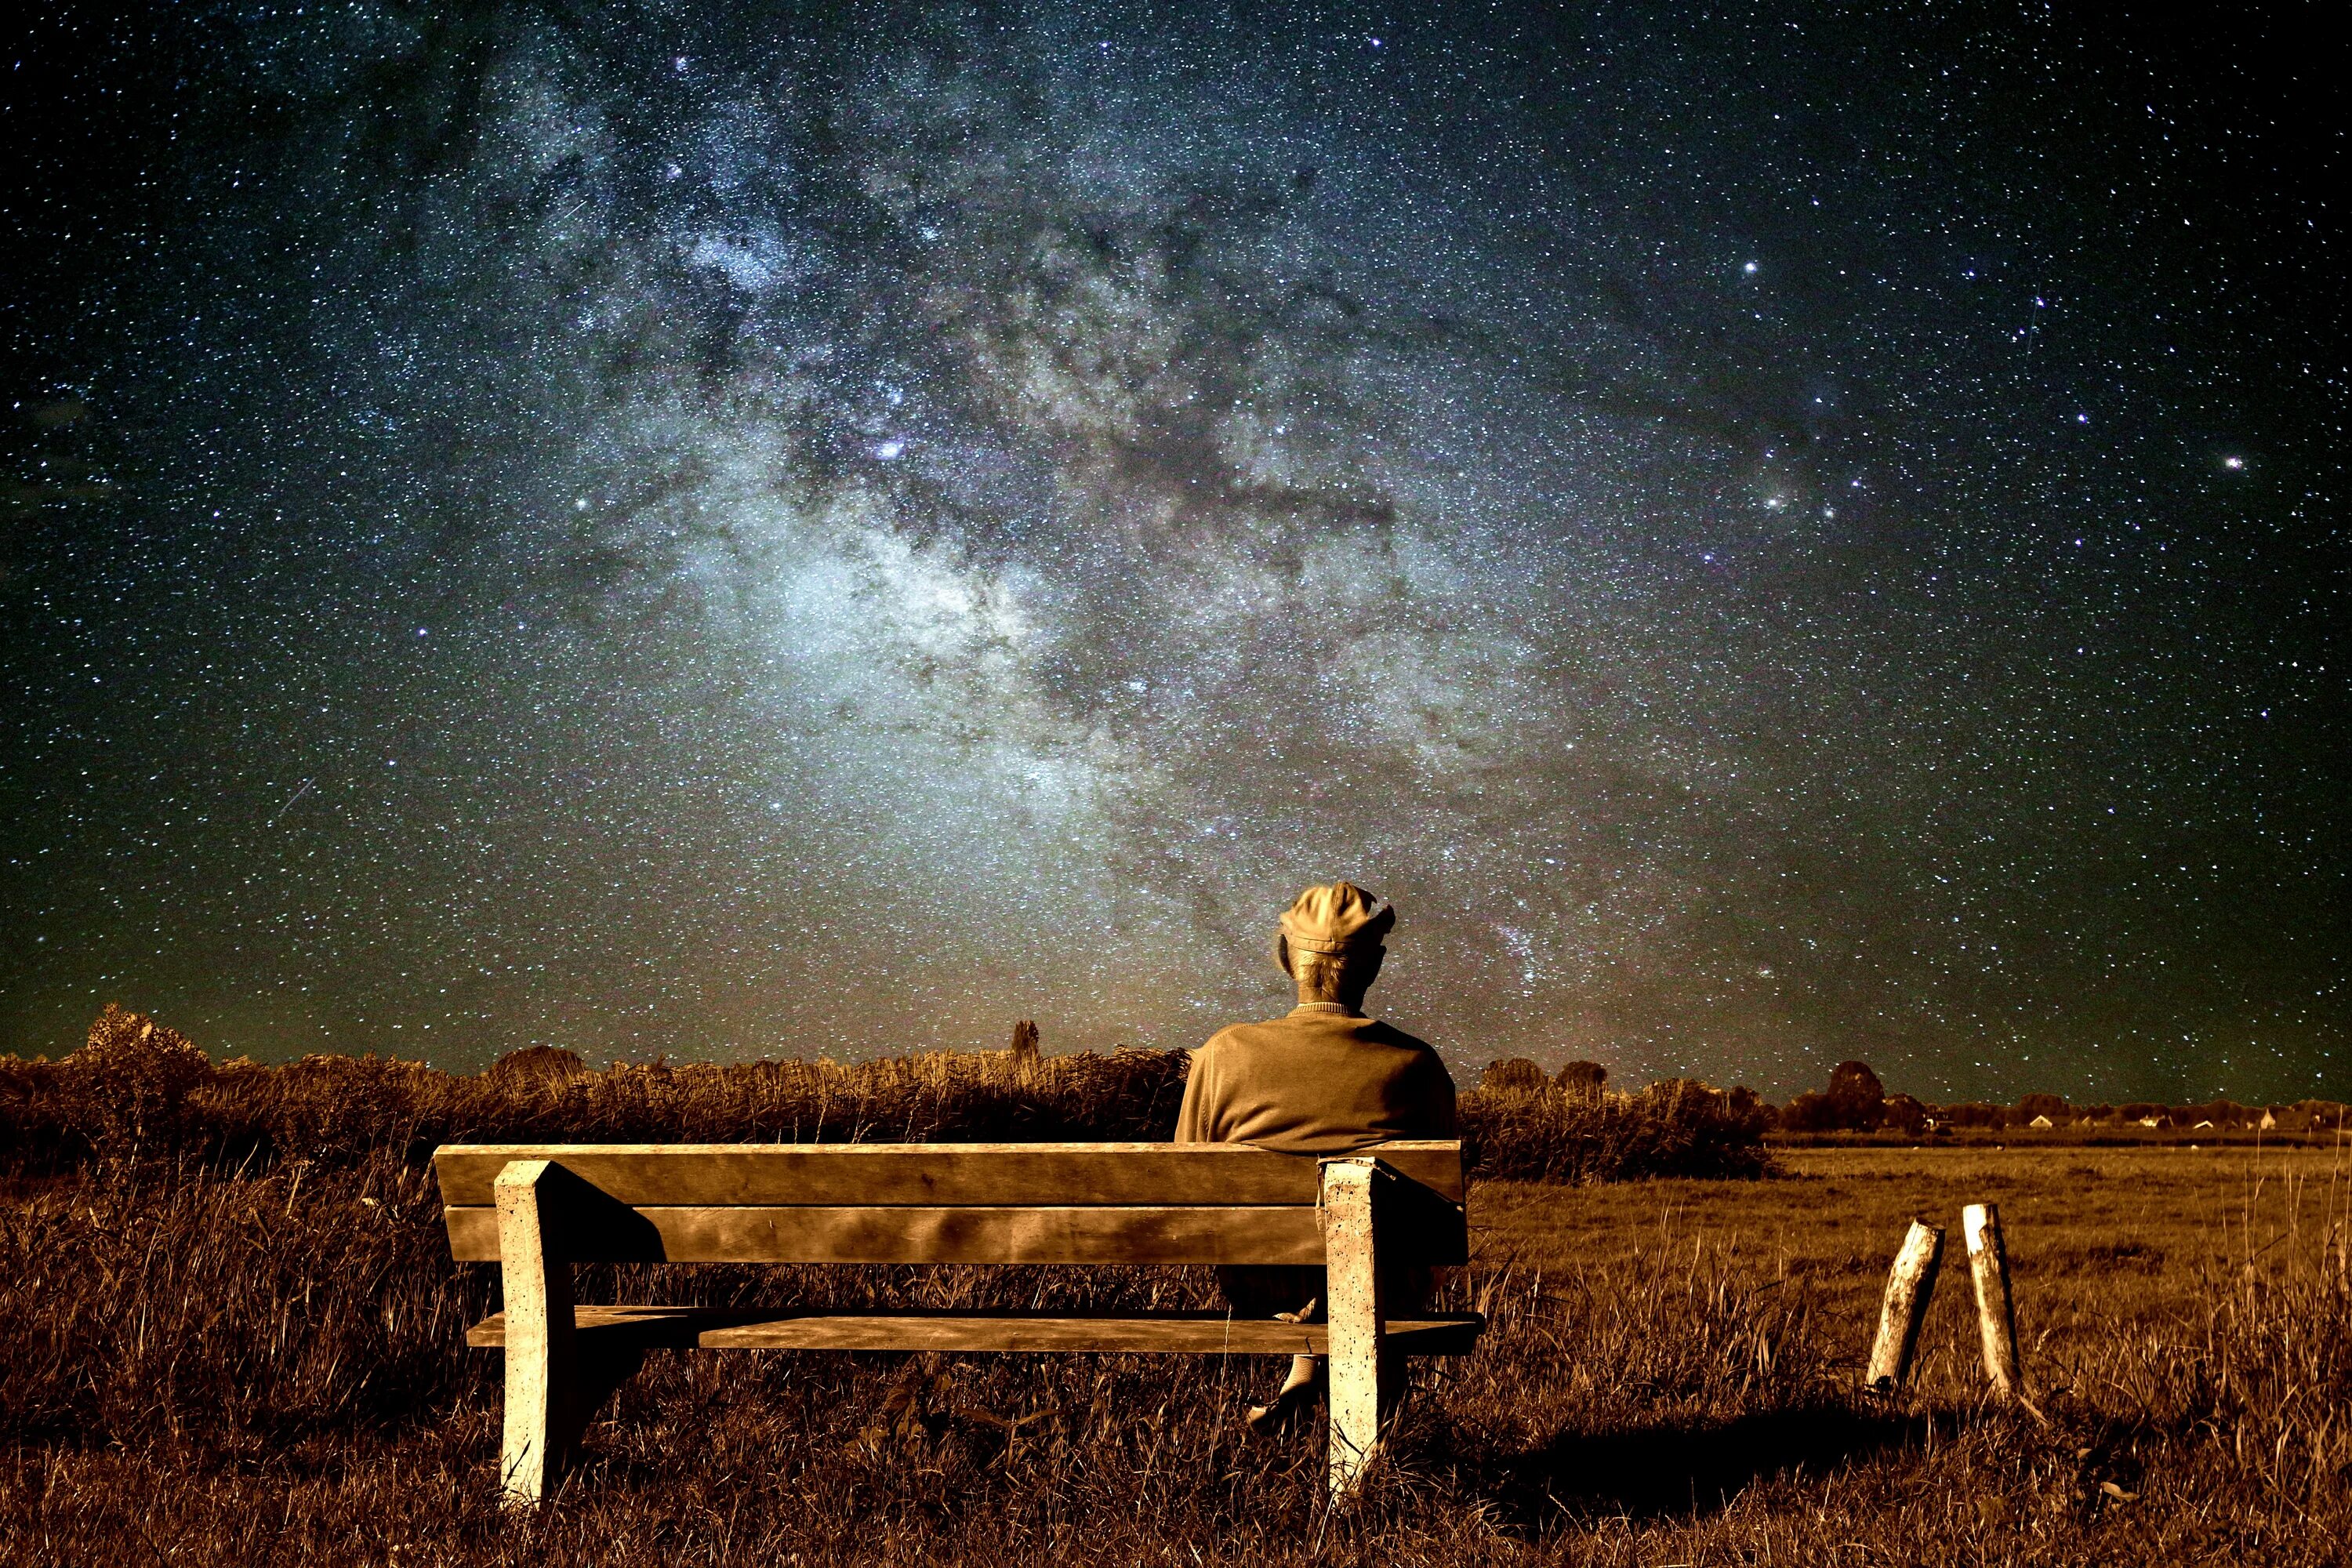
[(1322, 999)]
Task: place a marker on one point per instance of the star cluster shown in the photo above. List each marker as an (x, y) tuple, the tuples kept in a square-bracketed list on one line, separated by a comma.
[(721, 529)]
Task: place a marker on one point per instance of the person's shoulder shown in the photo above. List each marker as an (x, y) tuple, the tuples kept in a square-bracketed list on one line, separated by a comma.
[(1382, 1031), (1232, 1037), (1426, 1056)]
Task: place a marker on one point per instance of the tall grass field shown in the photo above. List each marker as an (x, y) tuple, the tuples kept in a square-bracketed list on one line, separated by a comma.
[(230, 1333)]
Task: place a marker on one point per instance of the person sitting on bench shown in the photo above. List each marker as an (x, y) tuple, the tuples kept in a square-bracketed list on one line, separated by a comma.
[(1323, 1079)]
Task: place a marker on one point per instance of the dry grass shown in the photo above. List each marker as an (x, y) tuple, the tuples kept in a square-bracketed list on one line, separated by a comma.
[(206, 1362), (141, 1091)]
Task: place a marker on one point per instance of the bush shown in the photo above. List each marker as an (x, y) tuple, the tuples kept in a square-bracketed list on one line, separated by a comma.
[(1585, 1079), (1678, 1127), (141, 1091), (1810, 1112), (1513, 1074), (147, 1091), (1906, 1115)]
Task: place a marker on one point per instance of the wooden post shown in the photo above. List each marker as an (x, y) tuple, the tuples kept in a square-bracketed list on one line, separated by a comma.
[(1360, 1373), (1996, 1313), (542, 1352), (1910, 1284)]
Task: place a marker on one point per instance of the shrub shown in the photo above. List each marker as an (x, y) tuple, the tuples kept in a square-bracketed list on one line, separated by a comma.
[(139, 1090), (1585, 1079), (1810, 1112), (1906, 1115), (1513, 1074), (1678, 1127)]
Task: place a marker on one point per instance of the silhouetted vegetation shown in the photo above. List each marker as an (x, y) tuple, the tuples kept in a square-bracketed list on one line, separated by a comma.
[(1855, 1103), (1586, 1080), (1674, 1128), (141, 1090)]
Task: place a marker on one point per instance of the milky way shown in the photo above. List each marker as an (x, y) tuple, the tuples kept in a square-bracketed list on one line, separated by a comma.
[(720, 530)]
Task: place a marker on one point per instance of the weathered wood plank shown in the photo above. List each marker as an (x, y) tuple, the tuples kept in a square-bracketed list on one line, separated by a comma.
[(928, 1174), (908, 1235), (1178, 1333)]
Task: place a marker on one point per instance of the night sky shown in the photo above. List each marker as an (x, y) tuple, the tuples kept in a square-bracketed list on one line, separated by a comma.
[(1773, 535)]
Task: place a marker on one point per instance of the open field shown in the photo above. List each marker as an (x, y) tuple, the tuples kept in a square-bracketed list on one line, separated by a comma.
[(209, 1367)]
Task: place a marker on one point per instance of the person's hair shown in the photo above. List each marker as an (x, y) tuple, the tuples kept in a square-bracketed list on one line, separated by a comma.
[(1330, 976)]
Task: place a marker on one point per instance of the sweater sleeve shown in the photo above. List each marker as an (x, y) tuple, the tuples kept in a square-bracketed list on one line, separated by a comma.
[(1436, 1098), (1192, 1116)]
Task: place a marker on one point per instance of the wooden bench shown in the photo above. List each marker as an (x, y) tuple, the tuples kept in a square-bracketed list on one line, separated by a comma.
[(536, 1209)]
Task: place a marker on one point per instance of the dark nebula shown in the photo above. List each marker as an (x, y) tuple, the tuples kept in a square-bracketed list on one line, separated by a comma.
[(1774, 534)]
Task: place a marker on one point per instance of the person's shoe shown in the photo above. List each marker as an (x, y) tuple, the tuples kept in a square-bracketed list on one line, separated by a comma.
[(1287, 1411)]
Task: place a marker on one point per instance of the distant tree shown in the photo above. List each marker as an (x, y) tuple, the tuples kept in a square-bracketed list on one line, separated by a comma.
[(1024, 1038), (1583, 1080), (2029, 1106), (1859, 1098), (2140, 1111), (1974, 1113), (1514, 1074), (2098, 1112), (1810, 1112), (1906, 1115), (1854, 1081)]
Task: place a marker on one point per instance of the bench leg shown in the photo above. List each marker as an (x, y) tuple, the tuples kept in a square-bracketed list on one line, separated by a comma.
[(543, 1417), (1364, 1375)]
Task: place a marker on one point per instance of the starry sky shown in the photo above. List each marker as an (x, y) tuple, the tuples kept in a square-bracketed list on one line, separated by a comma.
[(1773, 534)]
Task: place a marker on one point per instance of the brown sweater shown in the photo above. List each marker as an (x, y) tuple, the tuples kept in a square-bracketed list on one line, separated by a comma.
[(1323, 1080)]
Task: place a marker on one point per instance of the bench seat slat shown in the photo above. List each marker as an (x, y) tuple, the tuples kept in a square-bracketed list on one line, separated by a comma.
[(910, 1234), (691, 1174), (1182, 1333)]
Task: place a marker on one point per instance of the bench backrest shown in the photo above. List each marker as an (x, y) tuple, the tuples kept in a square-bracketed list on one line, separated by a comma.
[(948, 1203)]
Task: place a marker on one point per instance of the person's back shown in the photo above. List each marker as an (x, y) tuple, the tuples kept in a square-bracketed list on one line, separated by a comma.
[(1324, 1080)]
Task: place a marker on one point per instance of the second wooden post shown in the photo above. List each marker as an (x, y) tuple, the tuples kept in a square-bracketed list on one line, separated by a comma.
[(1996, 1311)]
